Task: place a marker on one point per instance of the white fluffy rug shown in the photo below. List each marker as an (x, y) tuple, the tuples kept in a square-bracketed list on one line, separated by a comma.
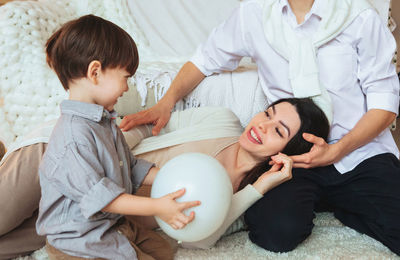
[(329, 240)]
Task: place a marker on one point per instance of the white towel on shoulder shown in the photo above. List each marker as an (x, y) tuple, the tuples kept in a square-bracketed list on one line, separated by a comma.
[(301, 52)]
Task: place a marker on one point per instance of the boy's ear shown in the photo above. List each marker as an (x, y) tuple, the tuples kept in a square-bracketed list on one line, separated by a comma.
[(93, 72)]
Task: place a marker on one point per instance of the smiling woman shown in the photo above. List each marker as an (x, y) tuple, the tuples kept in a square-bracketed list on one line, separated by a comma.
[(245, 157), (287, 120)]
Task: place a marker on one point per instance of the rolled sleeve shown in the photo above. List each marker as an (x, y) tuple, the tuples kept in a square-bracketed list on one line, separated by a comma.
[(198, 60), (376, 73), (385, 101), (140, 168), (224, 48), (99, 196)]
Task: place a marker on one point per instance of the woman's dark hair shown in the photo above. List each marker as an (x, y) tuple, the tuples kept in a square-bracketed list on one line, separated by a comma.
[(78, 42), (312, 120)]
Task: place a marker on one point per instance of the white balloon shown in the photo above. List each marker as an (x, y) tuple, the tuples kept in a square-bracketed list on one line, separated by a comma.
[(204, 179)]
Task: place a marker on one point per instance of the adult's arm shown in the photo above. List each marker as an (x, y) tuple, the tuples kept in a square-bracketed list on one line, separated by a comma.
[(188, 77), (222, 51), (380, 85), (321, 154), (193, 125), (241, 201)]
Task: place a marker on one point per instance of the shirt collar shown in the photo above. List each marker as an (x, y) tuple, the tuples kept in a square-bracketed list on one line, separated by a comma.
[(284, 4), (316, 9), (89, 111)]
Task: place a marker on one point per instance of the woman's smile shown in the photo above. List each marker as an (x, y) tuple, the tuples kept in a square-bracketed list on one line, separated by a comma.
[(253, 136)]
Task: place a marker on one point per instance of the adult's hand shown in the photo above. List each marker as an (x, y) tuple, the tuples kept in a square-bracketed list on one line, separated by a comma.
[(321, 153), (158, 115)]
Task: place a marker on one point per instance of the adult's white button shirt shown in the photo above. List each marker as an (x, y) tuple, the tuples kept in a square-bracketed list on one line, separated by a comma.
[(355, 67)]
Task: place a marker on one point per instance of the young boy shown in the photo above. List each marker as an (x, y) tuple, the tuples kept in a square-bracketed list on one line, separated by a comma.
[(88, 174)]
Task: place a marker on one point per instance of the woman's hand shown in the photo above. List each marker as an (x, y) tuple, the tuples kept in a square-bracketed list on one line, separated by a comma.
[(158, 115), (280, 172), (170, 211)]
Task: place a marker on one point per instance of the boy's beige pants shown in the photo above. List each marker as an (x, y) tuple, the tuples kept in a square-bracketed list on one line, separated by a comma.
[(148, 244)]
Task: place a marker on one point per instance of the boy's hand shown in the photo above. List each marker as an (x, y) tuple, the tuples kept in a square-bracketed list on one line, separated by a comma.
[(170, 211), (158, 115), (280, 172)]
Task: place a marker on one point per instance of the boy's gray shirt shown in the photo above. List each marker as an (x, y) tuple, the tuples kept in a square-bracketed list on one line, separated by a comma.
[(87, 165)]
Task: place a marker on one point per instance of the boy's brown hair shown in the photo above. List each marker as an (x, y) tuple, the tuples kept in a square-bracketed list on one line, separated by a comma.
[(78, 42)]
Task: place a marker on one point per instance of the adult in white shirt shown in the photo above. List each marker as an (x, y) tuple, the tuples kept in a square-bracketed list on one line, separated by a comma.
[(305, 48)]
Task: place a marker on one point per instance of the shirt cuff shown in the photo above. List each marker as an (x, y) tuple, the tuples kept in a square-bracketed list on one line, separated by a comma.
[(139, 172), (99, 196), (385, 101), (198, 60)]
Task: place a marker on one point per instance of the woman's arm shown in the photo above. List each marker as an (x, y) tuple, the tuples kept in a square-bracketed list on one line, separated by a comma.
[(193, 125), (241, 201)]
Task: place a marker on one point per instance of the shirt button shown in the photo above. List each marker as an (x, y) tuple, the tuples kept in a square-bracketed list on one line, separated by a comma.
[(121, 163)]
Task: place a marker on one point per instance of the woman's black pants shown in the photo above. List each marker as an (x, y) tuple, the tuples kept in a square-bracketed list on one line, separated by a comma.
[(366, 199)]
